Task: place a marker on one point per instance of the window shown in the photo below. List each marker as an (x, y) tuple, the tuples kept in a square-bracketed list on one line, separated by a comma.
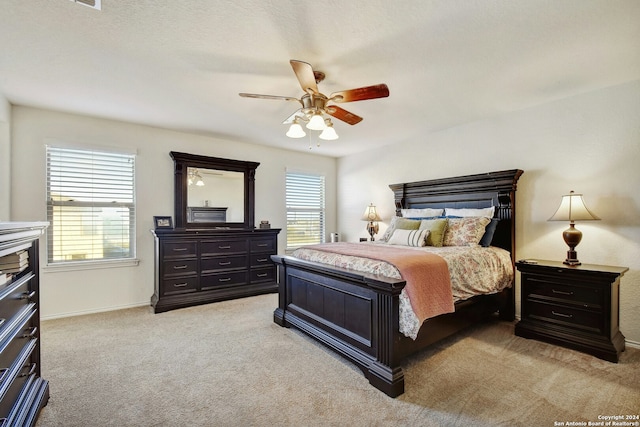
[(305, 209), (90, 205)]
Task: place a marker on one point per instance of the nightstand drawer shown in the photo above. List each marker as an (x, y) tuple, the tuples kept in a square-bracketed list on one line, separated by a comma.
[(575, 318), (535, 287)]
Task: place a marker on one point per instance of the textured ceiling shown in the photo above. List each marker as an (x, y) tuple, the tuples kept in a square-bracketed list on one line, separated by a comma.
[(181, 64)]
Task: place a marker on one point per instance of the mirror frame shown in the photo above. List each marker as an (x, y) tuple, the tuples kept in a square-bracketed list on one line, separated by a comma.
[(182, 161)]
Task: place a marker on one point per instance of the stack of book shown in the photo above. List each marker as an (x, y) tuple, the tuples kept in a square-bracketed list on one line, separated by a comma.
[(15, 262)]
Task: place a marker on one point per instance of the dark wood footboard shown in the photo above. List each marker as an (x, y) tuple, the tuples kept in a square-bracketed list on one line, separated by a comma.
[(354, 314), (357, 315)]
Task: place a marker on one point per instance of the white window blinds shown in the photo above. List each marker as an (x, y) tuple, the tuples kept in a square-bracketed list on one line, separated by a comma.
[(305, 198), (90, 205)]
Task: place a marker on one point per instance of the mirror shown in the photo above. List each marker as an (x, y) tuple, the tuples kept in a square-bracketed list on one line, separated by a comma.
[(213, 192)]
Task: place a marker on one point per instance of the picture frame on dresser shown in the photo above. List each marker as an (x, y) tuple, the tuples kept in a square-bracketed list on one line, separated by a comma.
[(161, 222)]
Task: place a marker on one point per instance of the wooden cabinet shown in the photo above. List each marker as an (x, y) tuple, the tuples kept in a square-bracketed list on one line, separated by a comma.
[(573, 306), (23, 392), (199, 267)]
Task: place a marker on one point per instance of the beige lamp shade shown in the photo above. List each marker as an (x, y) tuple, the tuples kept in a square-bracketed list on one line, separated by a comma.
[(370, 214), (572, 208)]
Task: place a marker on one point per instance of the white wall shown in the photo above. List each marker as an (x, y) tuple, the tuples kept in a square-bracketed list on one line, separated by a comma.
[(5, 158), (77, 292), (588, 143)]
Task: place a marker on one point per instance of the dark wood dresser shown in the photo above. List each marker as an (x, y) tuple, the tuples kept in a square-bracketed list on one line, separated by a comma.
[(201, 266), (573, 306), (23, 392)]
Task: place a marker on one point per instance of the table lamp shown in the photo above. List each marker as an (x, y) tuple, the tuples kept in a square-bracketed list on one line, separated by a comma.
[(372, 217), (572, 208)]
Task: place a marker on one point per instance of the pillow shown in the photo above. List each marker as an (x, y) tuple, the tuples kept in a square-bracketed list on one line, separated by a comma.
[(488, 212), (437, 228), (488, 233), (465, 231), (417, 238), (426, 212), (399, 223)]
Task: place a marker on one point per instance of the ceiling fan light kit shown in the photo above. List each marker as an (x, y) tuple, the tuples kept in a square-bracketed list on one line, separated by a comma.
[(314, 104)]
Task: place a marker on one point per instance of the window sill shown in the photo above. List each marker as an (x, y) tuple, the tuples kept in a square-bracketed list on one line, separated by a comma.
[(89, 265)]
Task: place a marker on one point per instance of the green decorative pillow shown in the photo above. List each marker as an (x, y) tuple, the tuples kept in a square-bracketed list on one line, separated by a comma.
[(437, 229), (399, 223)]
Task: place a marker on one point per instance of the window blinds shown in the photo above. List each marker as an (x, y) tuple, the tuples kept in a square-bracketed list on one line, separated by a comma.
[(90, 205), (305, 198)]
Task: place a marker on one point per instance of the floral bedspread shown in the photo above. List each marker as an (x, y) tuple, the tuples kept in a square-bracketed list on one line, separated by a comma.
[(474, 271)]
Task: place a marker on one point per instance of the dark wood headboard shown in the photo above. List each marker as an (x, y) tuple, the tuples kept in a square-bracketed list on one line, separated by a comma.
[(471, 191)]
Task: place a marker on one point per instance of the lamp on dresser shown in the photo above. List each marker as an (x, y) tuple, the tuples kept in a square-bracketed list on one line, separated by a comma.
[(572, 208), (372, 217)]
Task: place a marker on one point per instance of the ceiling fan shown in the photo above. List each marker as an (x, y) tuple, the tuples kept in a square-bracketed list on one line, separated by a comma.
[(314, 105)]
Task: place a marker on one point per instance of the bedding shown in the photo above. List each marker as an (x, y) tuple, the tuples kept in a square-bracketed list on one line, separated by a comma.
[(473, 270)]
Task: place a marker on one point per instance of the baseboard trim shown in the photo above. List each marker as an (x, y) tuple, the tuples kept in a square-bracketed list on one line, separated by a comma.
[(100, 310), (632, 344)]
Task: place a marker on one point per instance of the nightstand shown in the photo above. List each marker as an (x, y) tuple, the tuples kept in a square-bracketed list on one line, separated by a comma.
[(575, 307)]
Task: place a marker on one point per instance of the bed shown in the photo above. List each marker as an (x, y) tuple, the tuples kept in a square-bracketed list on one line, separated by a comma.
[(358, 314)]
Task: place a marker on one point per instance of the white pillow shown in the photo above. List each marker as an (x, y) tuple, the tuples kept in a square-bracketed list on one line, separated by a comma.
[(486, 212), (416, 238), (421, 213)]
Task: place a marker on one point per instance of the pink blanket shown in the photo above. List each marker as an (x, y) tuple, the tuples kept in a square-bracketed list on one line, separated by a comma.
[(427, 275)]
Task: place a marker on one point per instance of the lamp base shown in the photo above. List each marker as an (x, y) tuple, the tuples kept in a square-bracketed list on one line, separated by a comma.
[(572, 236)]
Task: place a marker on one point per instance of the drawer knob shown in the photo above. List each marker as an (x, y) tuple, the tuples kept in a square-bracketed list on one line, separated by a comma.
[(262, 260), (562, 292), (179, 285), (225, 279), (263, 275), (569, 316), (224, 247), (179, 267), (179, 249), (262, 245), (223, 263), (32, 369), (31, 334)]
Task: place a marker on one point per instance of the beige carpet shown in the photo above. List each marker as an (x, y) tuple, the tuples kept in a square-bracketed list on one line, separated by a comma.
[(228, 364)]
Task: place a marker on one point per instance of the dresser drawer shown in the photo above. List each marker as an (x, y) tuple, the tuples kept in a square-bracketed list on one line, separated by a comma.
[(179, 285), (576, 318), (180, 267), (14, 298), (263, 275), (223, 247), (17, 374), (586, 296), (210, 281), (263, 245), (179, 249), (223, 263), (261, 260)]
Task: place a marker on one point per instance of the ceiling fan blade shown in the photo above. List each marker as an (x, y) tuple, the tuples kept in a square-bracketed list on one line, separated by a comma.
[(282, 98), (342, 114), (305, 75), (361, 94)]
